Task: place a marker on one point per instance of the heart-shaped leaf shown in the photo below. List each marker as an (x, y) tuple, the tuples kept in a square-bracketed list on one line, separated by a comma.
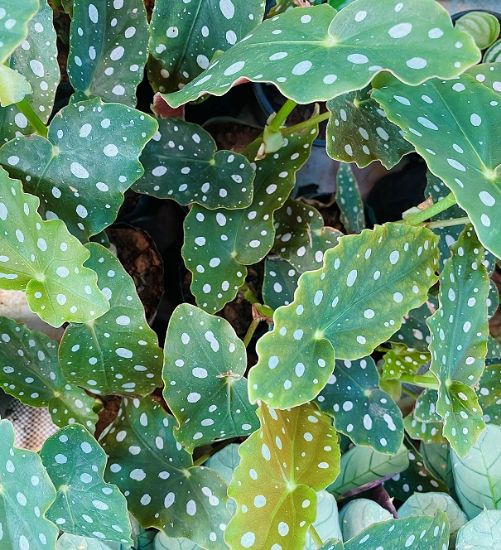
[(359, 514), (186, 35), (219, 244), (481, 533), (163, 488), (459, 142), (108, 49), (48, 265), (85, 505), (279, 283), (349, 201), (91, 145), (345, 309), (117, 353), (204, 370), (181, 162), (294, 454), (481, 25), (25, 496), (458, 348), (367, 415)]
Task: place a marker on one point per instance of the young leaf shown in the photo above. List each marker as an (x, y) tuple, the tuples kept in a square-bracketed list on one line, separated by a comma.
[(85, 505), (481, 533), (108, 49), (279, 282), (204, 370), (459, 332), (481, 25), (401, 360), (314, 54), (359, 514), (359, 131), (426, 409), (345, 309), (163, 488), (25, 496), (117, 353), (91, 146), (326, 523), (30, 372), (186, 35), (427, 432), (43, 259), (452, 125), (181, 162), (294, 454), (367, 415), (349, 201), (219, 243)]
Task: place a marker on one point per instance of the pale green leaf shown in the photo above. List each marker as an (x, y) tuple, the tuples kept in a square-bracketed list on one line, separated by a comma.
[(163, 542), (349, 201), (481, 533), (13, 88), (326, 523), (401, 360), (481, 25), (493, 54), (74, 542), (359, 514)]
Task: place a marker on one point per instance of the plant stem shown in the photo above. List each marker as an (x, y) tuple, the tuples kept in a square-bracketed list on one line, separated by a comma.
[(448, 223), (251, 330), (248, 294), (307, 123), (201, 459), (281, 116), (421, 380), (32, 117), (316, 537), (415, 218)]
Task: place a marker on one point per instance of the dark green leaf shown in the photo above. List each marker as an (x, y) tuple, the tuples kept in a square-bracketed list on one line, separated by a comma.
[(349, 201)]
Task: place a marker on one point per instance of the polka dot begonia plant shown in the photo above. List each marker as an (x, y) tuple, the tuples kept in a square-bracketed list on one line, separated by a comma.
[(241, 340)]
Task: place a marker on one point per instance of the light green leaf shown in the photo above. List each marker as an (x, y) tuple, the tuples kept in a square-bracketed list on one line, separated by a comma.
[(163, 488), (401, 360), (85, 166), (359, 514), (458, 348), (482, 26), (367, 415), (108, 49), (117, 353), (326, 523), (186, 35), (345, 309), (349, 201), (181, 162), (30, 372), (477, 475), (489, 392), (74, 542), (294, 454), (313, 54), (481, 533), (13, 87), (493, 54), (279, 282), (25, 496), (48, 265), (453, 126), (224, 463), (425, 409), (205, 388), (428, 432), (488, 74), (163, 542), (219, 244)]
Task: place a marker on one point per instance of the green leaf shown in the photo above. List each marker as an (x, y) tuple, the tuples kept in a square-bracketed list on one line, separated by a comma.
[(13, 86), (414, 332), (363, 465), (186, 35), (349, 200), (205, 388), (36, 59), (488, 74), (163, 488), (163, 542), (326, 523), (359, 514), (294, 454), (85, 166), (437, 462), (401, 360), (426, 410), (74, 542), (25, 496), (493, 54), (458, 348), (30, 372), (85, 505), (181, 162), (481, 533), (477, 475), (312, 54), (108, 49), (482, 26), (49, 264), (489, 392), (428, 432), (117, 353), (279, 282), (219, 244), (367, 415), (453, 126), (345, 309), (359, 131)]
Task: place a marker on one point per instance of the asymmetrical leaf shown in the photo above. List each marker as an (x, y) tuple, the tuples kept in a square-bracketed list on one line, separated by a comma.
[(343, 310), (117, 353), (359, 514), (314, 54), (482, 26), (85, 166), (163, 488), (481, 533), (43, 259), (181, 162), (349, 201), (294, 454), (108, 49), (279, 283)]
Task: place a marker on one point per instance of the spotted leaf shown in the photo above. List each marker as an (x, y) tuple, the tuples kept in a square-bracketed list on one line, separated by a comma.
[(458, 348), (163, 488), (343, 310), (279, 282), (294, 454), (414, 332), (401, 360), (427, 432), (489, 392), (219, 244), (314, 54), (108, 49), (91, 146), (181, 163), (49, 264), (186, 35), (204, 370), (349, 201)]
